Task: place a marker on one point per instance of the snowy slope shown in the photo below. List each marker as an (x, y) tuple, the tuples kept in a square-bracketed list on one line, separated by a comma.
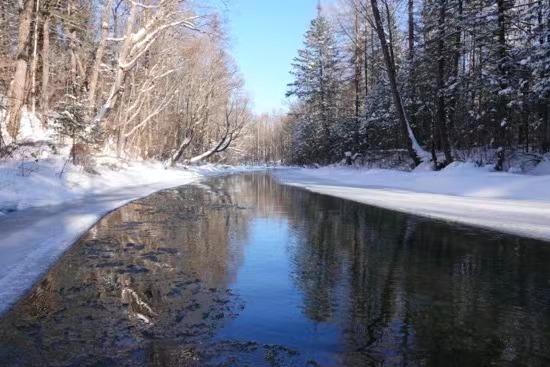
[(517, 204), (25, 184), (52, 212)]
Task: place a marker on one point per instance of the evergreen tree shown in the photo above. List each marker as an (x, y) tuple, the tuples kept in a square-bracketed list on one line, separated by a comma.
[(318, 79), (74, 121)]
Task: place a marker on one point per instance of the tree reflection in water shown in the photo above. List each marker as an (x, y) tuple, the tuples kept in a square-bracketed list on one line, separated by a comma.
[(151, 285), (153, 271)]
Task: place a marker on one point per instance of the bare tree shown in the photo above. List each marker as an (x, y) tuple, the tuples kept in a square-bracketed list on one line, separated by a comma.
[(236, 117), (165, 14)]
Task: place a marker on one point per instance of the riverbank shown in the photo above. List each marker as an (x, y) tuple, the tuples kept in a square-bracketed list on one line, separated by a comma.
[(462, 193), (45, 212)]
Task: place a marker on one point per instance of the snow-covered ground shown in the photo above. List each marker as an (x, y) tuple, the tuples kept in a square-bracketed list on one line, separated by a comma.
[(511, 203), (42, 213)]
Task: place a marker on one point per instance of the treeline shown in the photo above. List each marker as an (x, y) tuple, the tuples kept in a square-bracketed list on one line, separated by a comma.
[(148, 78), (267, 139), (438, 78)]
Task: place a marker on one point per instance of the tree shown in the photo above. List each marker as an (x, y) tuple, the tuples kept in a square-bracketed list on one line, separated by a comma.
[(159, 18), (18, 85), (73, 120), (318, 78), (94, 76), (415, 150)]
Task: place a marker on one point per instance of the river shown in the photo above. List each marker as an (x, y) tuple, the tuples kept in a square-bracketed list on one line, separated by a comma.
[(242, 271)]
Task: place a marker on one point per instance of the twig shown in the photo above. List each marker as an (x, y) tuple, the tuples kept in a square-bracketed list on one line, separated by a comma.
[(60, 174)]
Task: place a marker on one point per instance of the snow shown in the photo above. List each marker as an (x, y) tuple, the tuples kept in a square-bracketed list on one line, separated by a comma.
[(462, 193), (42, 213), (31, 127), (541, 169)]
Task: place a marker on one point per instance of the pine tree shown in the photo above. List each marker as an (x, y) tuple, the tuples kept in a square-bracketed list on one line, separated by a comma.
[(318, 78), (74, 121)]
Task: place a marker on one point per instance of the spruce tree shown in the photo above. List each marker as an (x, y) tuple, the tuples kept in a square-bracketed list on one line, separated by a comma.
[(318, 79)]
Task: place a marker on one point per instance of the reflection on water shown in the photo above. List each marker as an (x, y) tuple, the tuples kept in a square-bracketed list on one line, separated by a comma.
[(242, 271)]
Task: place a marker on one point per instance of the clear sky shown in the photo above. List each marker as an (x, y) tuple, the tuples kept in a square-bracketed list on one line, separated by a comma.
[(266, 35)]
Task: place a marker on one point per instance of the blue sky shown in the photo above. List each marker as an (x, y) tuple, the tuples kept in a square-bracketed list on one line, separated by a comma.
[(266, 35)]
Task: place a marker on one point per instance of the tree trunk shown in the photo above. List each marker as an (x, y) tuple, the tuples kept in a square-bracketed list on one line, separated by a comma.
[(441, 111), (99, 53), (4, 28), (546, 128), (45, 99), (457, 52), (366, 62), (544, 105), (501, 51), (179, 152), (18, 87), (222, 145), (357, 77), (410, 9), (414, 149), (120, 73), (34, 64), (78, 73), (390, 42), (412, 80)]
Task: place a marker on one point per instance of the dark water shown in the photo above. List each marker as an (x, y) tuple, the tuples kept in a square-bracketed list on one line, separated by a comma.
[(244, 272)]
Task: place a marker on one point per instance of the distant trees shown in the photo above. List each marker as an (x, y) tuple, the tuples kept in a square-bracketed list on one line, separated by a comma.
[(153, 75), (453, 77), (267, 139)]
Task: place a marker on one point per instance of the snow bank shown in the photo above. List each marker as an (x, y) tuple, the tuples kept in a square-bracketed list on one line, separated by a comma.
[(44, 213), (464, 193), (543, 168), (25, 184)]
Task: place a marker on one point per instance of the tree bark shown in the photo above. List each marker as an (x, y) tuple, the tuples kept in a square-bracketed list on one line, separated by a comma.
[(357, 77), (18, 88), (4, 28), (441, 119), (502, 71), (365, 62), (453, 115), (78, 72), (45, 97), (412, 79), (546, 128), (410, 9), (221, 146), (179, 152), (34, 64), (99, 53)]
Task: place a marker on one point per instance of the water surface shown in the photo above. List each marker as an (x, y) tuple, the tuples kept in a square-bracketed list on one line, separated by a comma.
[(242, 271)]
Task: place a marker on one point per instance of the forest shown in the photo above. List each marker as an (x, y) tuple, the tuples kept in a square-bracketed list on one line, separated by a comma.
[(401, 82), (149, 80), (434, 81)]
